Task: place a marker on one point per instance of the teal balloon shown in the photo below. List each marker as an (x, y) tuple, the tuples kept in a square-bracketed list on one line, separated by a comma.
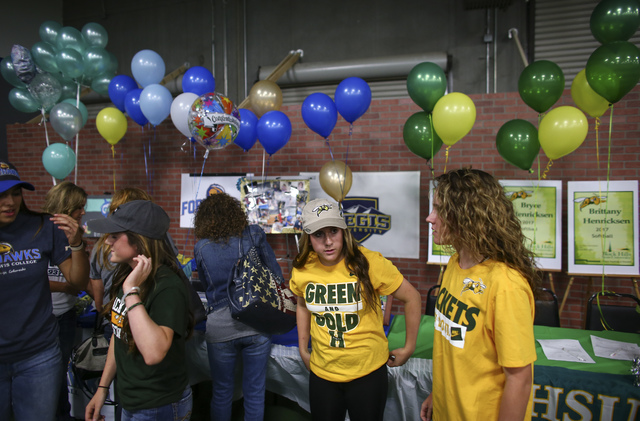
[(541, 85), (9, 74), (613, 70), (49, 31), (112, 66), (96, 61), (70, 37), (21, 100), (59, 160), (95, 35), (426, 84), (68, 88), (419, 136), (70, 63), (615, 20), (81, 107), (100, 84), (45, 56), (517, 142)]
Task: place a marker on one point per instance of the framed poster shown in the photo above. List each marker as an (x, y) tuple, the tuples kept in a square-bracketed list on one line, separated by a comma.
[(97, 207), (275, 203), (538, 206), (436, 254), (603, 227)]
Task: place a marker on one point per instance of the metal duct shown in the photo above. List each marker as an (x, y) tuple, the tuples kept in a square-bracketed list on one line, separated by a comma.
[(378, 68)]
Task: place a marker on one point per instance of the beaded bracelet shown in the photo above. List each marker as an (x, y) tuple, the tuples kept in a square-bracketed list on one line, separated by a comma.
[(134, 305)]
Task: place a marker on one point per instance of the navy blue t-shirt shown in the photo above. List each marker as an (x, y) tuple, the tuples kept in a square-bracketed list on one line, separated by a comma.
[(27, 324)]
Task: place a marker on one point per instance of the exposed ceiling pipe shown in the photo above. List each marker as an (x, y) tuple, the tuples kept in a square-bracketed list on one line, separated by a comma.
[(378, 68), (513, 33)]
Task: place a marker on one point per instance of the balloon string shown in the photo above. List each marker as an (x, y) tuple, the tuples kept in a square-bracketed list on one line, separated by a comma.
[(546, 170), (46, 136), (326, 140), (597, 126), (113, 158), (146, 167), (606, 208), (446, 157), (432, 135), (153, 159), (350, 129), (204, 161)]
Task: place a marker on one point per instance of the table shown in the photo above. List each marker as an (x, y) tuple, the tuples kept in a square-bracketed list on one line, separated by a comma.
[(562, 390)]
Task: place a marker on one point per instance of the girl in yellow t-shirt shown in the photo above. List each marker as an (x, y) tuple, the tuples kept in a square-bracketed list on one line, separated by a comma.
[(483, 347), (339, 284)]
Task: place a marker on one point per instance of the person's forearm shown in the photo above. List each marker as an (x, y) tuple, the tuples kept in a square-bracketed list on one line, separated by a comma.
[(97, 292), (79, 270), (153, 341), (303, 320), (65, 287), (517, 391), (109, 372)]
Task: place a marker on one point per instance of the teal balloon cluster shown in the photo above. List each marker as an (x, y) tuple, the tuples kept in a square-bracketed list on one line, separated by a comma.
[(66, 58), (613, 69)]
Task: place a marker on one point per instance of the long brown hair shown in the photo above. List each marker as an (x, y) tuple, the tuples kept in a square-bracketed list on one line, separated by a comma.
[(354, 260), (479, 218), (160, 254), (64, 198)]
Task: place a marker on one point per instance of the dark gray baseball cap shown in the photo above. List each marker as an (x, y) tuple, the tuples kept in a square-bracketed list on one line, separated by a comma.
[(140, 216)]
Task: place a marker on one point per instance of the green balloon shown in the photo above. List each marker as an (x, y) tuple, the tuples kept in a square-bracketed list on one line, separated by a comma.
[(96, 61), (517, 142), (100, 84), (22, 100), (9, 74), (70, 63), (426, 84), (420, 137), (615, 20), (80, 106), (95, 35), (613, 70), (45, 56), (541, 85)]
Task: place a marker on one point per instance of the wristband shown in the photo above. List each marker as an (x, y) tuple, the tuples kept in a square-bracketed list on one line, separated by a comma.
[(124, 297), (134, 305), (78, 247)]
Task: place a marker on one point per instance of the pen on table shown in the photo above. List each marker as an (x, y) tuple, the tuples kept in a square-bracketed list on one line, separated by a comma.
[(579, 358), (614, 353)]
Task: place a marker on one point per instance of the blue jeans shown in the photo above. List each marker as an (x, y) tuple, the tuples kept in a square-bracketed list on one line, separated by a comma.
[(254, 351), (177, 411), (66, 336), (31, 387)]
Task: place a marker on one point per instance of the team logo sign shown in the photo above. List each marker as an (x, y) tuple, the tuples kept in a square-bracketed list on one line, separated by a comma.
[(363, 217)]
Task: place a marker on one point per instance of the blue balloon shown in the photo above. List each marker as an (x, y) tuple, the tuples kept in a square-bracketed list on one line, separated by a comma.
[(58, 159), (147, 68), (353, 97), (155, 103), (119, 87), (198, 80), (248, 133), (132, 107), (274, 131), (319, 113)]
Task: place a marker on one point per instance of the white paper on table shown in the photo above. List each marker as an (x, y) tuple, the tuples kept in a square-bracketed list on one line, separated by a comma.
[(565, 350), (616, 350)]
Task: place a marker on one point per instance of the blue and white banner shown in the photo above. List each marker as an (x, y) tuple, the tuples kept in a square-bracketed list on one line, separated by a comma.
[(195, 189), (382, 209)]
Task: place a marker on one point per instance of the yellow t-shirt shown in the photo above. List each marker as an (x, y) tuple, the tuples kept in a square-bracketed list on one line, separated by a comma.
[(483, 322), (348, 342)]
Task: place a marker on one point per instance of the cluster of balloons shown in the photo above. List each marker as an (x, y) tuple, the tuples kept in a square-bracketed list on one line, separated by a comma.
[(444, 119), (352, 100), (612, 70), (53, 69)]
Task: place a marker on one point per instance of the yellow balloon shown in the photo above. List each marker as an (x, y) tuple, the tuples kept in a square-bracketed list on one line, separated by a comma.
[(562, 130), (265, 96), (336, 179), (453, 117), (111, 124), (586, 98)]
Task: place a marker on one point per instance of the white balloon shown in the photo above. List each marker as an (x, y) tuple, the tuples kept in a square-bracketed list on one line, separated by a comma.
[(180, 112)]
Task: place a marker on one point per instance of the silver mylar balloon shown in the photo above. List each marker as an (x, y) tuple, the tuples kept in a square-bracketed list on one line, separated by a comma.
[(66, 120)]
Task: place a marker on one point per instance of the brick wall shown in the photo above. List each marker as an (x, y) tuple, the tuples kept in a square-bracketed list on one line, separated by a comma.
[(376, 144)]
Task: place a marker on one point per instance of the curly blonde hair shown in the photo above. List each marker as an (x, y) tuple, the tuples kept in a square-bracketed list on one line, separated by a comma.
[(479, 218), (220, 217)]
